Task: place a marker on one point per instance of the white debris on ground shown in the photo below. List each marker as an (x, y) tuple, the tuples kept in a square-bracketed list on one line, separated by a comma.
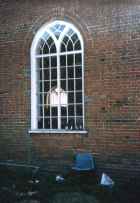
[(106, 180)]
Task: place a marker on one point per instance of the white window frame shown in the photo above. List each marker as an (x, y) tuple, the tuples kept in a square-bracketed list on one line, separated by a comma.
[(34, 111)]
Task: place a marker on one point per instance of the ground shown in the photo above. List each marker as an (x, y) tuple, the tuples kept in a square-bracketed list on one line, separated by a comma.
[(18, 185)]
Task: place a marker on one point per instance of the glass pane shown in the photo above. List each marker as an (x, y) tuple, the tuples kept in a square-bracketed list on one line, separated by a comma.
[(71, 110), (78, 84), (47, 111), (63, 111), (71, 123), (40, 109), (54, 111), (78, 97), (63, 73), (53, 48), (50, 41), (54, 123), (46, 74), (53, 61), (39, 63), (45, 49), (77, 45), (79, 123), (70, 32), (40, 98), (71, 97), (63, 84), (40, 86), (53, 73), (40, 123), (70, 46), (65, 40), (64, 124), (78, 59), (63, 60), (40, 74), (74, 38), (39, 46), (79, 110), (46, 86), (70, 59), (63, 48), (78, 72), (53, 83), (47, 123), (70, 85), (46, 62), (70, 72)]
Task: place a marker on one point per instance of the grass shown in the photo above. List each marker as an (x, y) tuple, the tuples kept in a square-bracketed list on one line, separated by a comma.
[(20, 186)]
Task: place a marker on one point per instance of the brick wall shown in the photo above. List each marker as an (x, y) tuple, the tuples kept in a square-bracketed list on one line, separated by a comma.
[(111, 32)]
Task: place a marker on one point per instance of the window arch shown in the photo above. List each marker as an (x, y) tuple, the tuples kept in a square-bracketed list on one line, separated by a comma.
[(57, 78)]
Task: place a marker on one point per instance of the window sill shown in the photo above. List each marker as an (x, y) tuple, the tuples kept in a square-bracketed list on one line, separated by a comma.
[(58, 131)]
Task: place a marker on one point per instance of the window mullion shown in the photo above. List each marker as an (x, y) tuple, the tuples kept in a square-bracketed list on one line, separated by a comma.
[(43, 89), (74, 90), (67, 82), (50, 90), (58, 84)]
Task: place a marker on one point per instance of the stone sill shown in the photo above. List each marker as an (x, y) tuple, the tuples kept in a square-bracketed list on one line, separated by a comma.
[(58, 131)]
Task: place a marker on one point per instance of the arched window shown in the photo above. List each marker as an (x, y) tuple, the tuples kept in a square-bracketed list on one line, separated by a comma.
[(57, 78)]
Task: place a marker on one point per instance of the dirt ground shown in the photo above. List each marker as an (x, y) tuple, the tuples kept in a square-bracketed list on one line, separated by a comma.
[(22, 186)]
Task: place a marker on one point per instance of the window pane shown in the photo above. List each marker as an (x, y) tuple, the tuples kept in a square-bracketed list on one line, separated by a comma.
[(46, 62), (53, 73), (64, 124), (45, 49), (71, 97), (63, 48), (40, 123), (47, 111), (79, 123), (54, 83), (49, 41), (47, 123), (40, 108), (71, 110), (63, 73), (70, 72), (63, 60), (78, 59), (74, 38), (46, 86), (39, 63), (63, 84), (78, 97), (54, 111), (78, 72), (78, 84), (79, 111), (53, 61), (71, 123), (70, 59), (46, 74), (77, 45), (70, 46), (53, 48), (40, 87), (54, 123), (40, 99), (70, 85), (65, 40), (63, 111)]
